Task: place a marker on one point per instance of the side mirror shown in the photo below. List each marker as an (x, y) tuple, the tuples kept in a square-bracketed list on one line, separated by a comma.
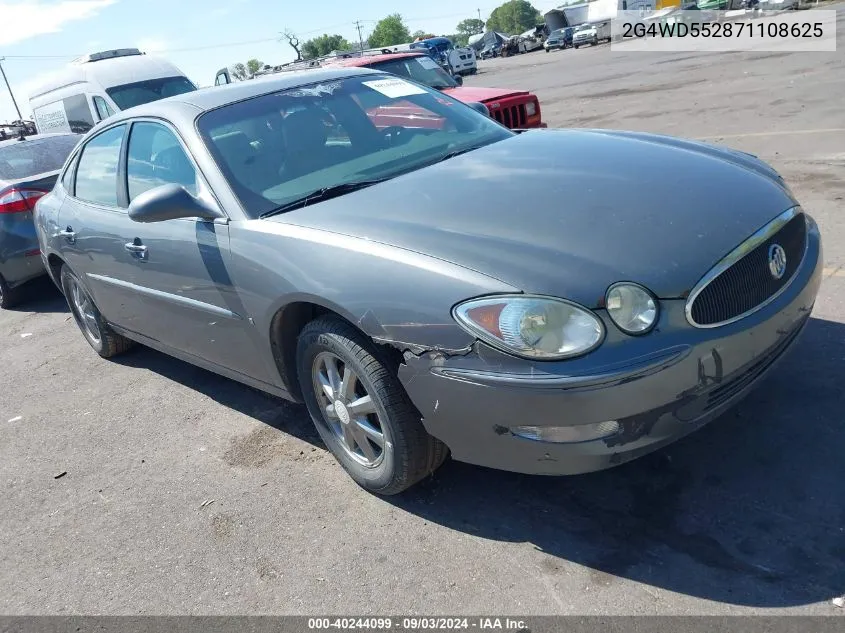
[(479, 107), (458, 79), (170, 202)]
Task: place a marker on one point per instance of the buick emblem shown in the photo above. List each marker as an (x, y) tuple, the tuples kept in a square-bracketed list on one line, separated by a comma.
[(777, 261)]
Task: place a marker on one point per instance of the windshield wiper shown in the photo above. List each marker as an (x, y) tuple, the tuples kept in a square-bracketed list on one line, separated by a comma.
[(326, 193)]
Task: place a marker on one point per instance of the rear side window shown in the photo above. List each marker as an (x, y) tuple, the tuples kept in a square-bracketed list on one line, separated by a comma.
[(67, 178), (96, 174), (23, 159)]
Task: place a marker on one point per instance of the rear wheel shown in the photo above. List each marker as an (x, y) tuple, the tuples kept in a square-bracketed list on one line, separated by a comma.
[(105, 341), (362, 411), (9, 297)]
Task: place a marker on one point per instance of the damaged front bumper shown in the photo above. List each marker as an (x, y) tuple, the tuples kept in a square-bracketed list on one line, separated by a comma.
[(658, 388)]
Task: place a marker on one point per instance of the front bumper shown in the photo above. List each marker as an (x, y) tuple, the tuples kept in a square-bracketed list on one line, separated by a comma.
[(673, 381)]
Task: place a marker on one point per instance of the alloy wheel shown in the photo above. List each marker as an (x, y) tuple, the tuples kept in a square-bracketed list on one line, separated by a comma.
[(83, 309), (348, 409)]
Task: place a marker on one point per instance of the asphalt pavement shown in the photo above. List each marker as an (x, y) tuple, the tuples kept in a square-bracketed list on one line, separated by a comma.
[(146, 485)]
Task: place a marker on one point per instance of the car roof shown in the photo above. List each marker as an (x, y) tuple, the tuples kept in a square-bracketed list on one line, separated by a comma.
[(367, 60), (14, 140)]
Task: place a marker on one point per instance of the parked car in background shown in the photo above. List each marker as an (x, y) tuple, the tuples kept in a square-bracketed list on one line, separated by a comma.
[(559, 39), (512, 108), (397, 283), (591, 34), (28, 170), (94, 87), (457, 60)]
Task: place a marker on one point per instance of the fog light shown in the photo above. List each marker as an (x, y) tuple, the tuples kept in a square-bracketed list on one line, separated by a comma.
[(567, 434)]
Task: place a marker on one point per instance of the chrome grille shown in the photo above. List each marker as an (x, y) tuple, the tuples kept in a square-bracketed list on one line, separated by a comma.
[(742, 282)]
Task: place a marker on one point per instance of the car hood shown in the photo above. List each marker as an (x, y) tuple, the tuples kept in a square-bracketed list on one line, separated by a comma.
[(470, 94), (567, 213)]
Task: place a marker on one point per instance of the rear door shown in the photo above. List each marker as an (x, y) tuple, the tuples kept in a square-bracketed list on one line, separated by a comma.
[(91, 224)]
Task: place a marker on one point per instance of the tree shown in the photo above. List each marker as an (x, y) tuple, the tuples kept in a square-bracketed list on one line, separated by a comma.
[(323, 45), (238, 71), (389, 32), (418, 35), (293, 40), (470, 26), (254, 65), (514, 17)]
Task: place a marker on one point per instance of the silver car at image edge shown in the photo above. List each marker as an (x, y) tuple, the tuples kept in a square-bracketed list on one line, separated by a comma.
[(361, 243)]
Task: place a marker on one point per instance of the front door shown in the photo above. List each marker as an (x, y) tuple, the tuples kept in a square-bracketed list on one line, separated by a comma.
[(181, 265)]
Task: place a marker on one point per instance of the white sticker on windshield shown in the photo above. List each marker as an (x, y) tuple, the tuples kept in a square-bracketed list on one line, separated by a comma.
[(394, 88), (427, 62)]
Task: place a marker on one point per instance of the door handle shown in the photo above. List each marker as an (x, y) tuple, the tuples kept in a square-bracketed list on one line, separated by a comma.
[(136, 248), (68, 234)]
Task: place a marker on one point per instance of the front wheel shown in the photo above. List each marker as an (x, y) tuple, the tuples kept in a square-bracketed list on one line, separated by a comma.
[(362, 411), (105, 341)]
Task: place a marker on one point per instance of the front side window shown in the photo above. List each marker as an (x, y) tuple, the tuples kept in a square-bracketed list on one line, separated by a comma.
[(278, 148), (421, 69), (155, 157), (104, 111), (130, 95), (96, 174)]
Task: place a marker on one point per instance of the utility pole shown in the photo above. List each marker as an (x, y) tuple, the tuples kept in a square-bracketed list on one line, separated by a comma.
[(479, 13), (360, 39), (9, 88)]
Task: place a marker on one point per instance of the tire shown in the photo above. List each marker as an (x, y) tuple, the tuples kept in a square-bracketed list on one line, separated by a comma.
[(408, 453), (576, 46), (9, 297), (105, 341)]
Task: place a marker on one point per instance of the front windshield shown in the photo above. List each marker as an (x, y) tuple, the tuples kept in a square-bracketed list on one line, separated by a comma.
[(277, 148), (420, 69), (131, 95), (584, 27)]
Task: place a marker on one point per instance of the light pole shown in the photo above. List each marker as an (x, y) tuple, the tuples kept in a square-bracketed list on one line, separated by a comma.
[(11, 94)]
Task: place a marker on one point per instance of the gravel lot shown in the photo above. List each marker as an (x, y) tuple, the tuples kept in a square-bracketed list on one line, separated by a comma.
[(188, 493)]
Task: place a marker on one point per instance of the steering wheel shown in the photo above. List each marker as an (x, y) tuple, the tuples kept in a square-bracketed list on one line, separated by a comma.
[(394, 133)]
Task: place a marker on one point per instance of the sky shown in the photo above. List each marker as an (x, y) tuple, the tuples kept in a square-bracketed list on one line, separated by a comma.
[(199, 36)]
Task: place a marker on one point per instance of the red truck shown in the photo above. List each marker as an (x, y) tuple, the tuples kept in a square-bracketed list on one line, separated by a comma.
[(512, 108)]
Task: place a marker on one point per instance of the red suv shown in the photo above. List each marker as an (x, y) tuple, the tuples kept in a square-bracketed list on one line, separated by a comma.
[(512, 108)]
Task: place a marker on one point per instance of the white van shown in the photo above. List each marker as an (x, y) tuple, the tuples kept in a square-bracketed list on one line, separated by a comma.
[(96, 86)]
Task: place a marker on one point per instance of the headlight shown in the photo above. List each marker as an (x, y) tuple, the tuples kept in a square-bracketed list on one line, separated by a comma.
[(540, 328), (530, 108), (631, 307)]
